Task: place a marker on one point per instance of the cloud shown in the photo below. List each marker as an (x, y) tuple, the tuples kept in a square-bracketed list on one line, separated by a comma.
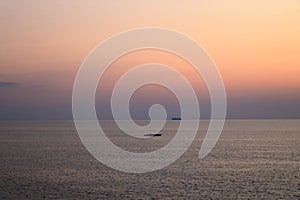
[(7, 84)]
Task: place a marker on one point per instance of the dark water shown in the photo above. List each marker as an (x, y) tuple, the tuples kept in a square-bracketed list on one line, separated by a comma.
[(252, 160)]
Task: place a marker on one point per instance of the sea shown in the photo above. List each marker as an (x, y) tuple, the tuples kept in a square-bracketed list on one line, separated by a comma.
[(253, 159)]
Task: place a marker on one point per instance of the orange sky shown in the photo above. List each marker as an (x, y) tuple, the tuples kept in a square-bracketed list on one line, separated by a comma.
[(255, 43)]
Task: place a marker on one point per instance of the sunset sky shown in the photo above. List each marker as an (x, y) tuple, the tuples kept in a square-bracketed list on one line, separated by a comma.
[(255, 44)]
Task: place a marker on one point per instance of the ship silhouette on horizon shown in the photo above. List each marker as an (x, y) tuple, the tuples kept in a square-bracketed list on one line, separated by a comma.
[(176, 118)]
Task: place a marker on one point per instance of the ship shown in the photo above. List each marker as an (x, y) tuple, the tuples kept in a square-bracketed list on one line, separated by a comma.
[(153, 134), (176, 118)]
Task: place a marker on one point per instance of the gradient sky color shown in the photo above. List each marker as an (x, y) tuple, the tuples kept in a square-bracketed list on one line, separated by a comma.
[(255, 44)]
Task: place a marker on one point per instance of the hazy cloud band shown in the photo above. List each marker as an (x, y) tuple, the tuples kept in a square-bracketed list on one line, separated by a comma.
[(7, 84)]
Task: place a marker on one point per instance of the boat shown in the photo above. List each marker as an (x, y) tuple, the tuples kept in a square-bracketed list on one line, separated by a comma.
[(176, 118), (154, 134)]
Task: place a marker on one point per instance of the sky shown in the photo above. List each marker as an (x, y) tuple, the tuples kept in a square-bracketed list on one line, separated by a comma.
[(255, 44)]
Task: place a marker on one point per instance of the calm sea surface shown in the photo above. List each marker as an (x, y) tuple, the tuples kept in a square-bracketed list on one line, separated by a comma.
[(254, 159)]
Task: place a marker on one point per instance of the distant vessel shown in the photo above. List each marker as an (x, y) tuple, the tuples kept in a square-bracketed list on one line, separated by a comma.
[(176, 118), (154, 134)]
